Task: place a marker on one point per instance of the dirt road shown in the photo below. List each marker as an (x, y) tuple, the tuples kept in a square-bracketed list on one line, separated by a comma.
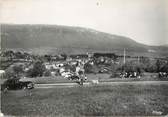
[(56, 85)]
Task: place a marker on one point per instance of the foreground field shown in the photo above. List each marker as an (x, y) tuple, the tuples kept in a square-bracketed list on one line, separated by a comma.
[(121, 99)]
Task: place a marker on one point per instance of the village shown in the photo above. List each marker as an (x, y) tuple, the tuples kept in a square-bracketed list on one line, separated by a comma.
[(75, 67)]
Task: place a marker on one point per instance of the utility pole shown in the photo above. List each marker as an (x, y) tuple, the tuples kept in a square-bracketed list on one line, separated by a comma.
[(124, 65), (138, 59), (124, 56)]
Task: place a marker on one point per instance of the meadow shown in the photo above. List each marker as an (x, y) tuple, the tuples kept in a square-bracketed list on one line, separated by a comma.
[(107, 100)]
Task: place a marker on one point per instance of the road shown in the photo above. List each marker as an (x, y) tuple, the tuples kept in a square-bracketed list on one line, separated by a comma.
[(56, 85)]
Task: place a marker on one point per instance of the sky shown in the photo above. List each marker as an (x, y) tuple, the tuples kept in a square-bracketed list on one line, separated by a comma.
[(145, 21)]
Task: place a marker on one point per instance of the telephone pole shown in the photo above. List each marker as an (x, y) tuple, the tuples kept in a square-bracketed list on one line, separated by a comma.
[(124, 55), (138, 59)]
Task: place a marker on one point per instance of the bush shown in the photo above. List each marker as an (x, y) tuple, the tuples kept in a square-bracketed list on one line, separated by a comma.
[(9, 74), (13, 72), (89, 68), (164, 68), (37, 70), (18, 69), (132, 67), (47, 73)]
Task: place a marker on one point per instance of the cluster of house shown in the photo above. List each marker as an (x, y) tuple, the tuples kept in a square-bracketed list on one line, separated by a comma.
[(63, 65), (66, 68), (74, 62), (16, 56)]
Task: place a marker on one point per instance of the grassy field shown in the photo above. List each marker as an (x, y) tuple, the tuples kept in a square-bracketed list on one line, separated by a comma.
[(46, 80), (88, 101), (100, 77)]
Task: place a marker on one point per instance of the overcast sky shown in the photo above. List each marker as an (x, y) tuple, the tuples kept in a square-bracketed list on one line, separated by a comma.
[(145, 21)]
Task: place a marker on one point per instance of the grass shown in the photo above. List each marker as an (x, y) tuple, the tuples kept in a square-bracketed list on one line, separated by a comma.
[(107, 100), (101, 77), (46, 80)]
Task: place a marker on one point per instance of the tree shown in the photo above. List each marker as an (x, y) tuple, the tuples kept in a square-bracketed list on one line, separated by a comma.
[(131, 67), (47, 57), (18, 69), (89, 68), (47, 73), (114, 70), (164, 68), (37, 70), (64, 56), (9, 74), (19, 55), (158, 65)]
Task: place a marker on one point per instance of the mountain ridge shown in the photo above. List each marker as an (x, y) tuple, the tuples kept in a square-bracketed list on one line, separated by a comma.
[(56, 37)]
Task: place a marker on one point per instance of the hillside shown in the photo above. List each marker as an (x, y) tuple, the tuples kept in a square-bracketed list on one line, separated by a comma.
[(55, 39)]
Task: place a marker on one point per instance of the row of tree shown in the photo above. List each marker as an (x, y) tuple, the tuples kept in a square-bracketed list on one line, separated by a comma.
[(133, 66)]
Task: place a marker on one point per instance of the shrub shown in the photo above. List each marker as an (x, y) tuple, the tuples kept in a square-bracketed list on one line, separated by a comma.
[(131, 67), (37, 70), (47, 73), (88, 68), (18, 69), (164, 68), (13, 72), (9, 74)]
